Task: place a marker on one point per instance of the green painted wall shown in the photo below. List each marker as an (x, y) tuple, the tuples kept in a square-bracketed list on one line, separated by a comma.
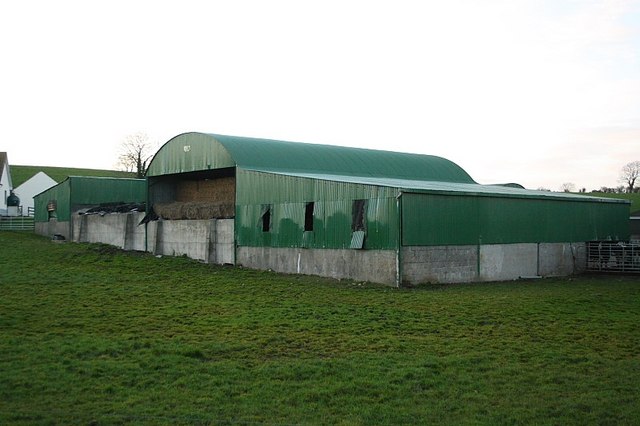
[(431, 220), (187, 153), (77, 191), (332, 212), (106, 190), (61, 195)]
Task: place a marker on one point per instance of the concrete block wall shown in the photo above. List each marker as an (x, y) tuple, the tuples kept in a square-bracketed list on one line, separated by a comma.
[(562, 259), (366, 265), (223, 242), (503, 262), (440, 264), (116, 229), (53, 227), (210, 241), (496, 262), (181, 237)]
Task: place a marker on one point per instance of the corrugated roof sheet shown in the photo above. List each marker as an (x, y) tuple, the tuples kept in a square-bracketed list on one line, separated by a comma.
[(406, 172), (199, 151), (454, 188)]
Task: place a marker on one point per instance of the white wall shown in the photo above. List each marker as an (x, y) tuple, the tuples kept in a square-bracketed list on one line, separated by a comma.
[(33, 186), (5, 186)]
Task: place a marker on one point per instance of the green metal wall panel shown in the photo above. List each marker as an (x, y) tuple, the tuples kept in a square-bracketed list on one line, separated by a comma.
[(439, 220), (429, 219), (96, 190), (59, 193), (332, 219), (189, 152), (256, 187), (79, 190)]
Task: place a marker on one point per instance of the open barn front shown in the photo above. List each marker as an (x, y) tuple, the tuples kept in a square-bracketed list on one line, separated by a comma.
[(192, 214)]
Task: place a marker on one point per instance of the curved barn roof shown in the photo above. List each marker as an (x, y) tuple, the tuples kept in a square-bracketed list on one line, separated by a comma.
[(192, 152)]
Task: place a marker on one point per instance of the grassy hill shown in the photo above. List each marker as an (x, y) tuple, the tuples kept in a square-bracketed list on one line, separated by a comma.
[(634, 198), (20, 174), (93, 335)]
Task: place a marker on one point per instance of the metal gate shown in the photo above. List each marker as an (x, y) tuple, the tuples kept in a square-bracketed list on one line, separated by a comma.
[(16, 223), (613, 256)]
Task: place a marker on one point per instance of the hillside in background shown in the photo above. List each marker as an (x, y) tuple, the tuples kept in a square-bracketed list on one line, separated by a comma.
[(634, 198), (19, 174)]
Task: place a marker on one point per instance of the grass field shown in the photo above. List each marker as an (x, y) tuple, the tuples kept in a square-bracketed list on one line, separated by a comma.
[(634, 198), (19, 174), (92, 335)]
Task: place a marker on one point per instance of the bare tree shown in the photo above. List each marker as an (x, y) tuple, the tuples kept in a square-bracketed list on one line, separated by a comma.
[(136, 154), (567, 187), (629, 173)]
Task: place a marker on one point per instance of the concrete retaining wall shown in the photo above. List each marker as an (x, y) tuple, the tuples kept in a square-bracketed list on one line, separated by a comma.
[(442, 264), (366, 265), (117, 229), (210, 240), (53, 227), (497, 262), (562, 259)]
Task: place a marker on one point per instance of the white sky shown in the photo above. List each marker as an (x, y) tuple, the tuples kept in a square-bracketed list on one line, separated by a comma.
[(528, 91)]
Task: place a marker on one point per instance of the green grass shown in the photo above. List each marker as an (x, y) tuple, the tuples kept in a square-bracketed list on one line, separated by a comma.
[(634, 198), (92, 335), (20, 174)]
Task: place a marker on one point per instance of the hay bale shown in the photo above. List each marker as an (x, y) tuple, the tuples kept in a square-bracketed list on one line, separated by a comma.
[(194, 210), (221, 190)]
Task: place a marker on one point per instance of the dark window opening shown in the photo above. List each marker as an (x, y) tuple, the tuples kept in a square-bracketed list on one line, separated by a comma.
[(52, 206), (266, 218), (357, 215), (308, 216)]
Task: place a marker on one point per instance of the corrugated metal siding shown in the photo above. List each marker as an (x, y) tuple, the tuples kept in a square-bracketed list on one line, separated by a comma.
[(332, 212), (78, 190), (431, 220), (96, 190), (187, 153), (61, 194), (198, 151), (256, 187)]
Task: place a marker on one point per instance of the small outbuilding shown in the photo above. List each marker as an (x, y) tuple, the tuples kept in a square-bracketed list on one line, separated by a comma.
[(61, 210), (372, 215)]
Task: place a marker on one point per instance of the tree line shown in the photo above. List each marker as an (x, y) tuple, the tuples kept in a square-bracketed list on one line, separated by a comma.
[(629, 175)]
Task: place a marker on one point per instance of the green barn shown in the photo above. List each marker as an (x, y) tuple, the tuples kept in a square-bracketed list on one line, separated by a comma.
[(362, 214), (56, 209)]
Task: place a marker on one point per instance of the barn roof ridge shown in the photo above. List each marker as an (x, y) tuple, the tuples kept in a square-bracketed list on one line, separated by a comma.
[(297, 157)]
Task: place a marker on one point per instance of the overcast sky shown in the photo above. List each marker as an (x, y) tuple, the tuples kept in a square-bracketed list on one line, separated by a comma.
[(535, 92)]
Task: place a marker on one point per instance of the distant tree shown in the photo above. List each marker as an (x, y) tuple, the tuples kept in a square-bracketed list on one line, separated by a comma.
[(629, 173), (542, 188), (567, 187), (606, 190), (136, 154)]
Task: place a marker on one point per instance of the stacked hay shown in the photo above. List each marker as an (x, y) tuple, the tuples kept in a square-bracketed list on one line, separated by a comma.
[(194, 210), (201, 199), (218, 190)]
